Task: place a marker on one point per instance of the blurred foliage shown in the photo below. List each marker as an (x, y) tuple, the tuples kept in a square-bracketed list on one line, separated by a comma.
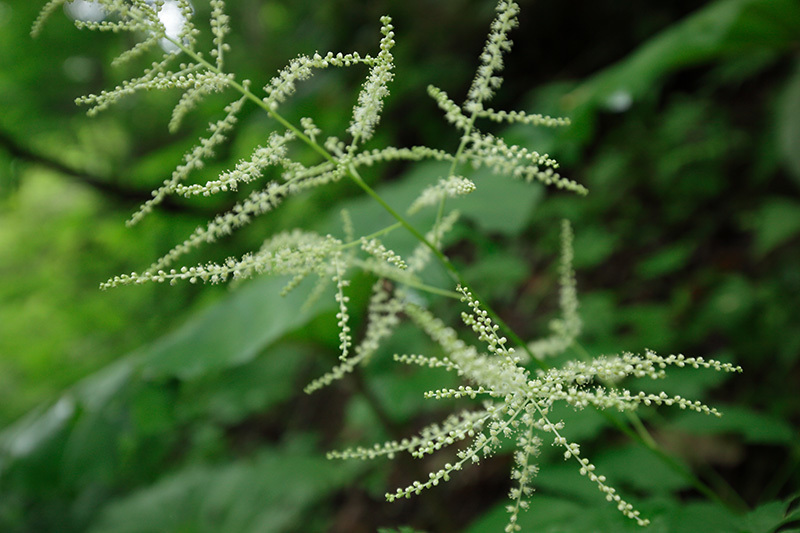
[(178, 409)]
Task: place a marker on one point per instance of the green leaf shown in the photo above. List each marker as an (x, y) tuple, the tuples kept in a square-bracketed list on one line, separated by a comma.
[(91, 417), (702, 516), (638, 468), (229, 396), (666, 260), (757, 428), (720, 29), (593, 245), (36, 430), (777, 221), (232, 332), (765, 518), (268, 493), (546, 515), (498, 275), (788, 119), (500, 204)]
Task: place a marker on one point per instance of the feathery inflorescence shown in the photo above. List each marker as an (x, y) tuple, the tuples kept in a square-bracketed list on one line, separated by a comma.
[(516, 401)]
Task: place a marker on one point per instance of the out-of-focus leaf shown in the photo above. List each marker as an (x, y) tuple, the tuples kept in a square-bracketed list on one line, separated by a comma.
[(788, 119), (91, 452), (651, 322), (792, 508), (500, 204), (665, 260), (35, 430), (778, 220), (267, 493), (593, 245), (636, 467), (730, 303), (231, 332), (231, 395), (498, 275), (765, 518), (702, 516), (86, 427), (754, 427), (721, 29)]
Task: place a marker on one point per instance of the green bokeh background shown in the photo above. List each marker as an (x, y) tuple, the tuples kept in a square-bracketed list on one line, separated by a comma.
[(180, 409)]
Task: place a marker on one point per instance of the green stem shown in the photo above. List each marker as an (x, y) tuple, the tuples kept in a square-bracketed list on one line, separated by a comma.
[(384, 231), (409, 281)]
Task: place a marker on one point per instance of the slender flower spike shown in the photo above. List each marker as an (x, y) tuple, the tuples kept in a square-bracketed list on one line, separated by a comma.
[(370, 100), (487, 79)]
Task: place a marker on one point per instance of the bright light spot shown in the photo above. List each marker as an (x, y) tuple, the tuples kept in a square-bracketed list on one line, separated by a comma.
[(619, 101), (25, 440), (85, 10), (173, 20), (91, 11)]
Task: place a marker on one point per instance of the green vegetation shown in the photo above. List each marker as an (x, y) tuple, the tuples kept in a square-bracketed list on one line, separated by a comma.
[(158, 408)]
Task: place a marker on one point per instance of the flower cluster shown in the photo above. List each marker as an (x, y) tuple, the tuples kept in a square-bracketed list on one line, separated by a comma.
[(483, 149), (451, 187), (487, 79), (516, 402)]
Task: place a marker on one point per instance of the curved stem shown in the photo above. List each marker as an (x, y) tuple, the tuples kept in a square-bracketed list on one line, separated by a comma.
[(384, 231)]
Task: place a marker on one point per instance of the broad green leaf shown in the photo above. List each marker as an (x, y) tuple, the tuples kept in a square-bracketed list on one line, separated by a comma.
[(765, 518), (230, 395), (788, 119), (593, 245), (666, 260), (757, 428), (228, 334), (792, 508), (777, 221), (271, 492), (232, 332), (707, 517), (637, 468), (36, 430), (500, 204), (498, 275)]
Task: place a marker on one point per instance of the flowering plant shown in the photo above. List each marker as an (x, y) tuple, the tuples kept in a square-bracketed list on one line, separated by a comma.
[(518, 396)]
